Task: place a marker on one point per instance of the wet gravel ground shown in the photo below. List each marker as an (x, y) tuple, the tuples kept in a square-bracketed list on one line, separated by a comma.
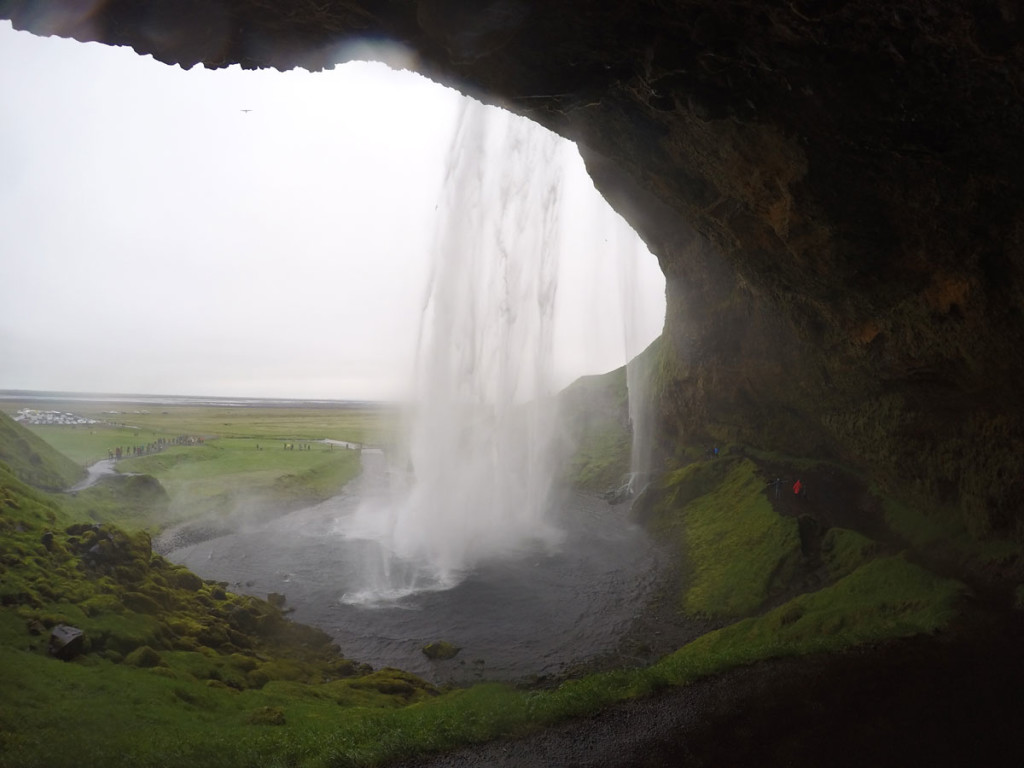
[(942, 701)]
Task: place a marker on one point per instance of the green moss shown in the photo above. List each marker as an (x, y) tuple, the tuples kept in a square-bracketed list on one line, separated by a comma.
[(393, 683), (960, 473), (390, 715), (681, 486), (595, 413), (737, 551), (940, 534), (229, 479), (844, 551), (602, 458), (129, 501), (143, 656), (266, 716), (442, 650), (121, 632), (885, 598), (285, 669)]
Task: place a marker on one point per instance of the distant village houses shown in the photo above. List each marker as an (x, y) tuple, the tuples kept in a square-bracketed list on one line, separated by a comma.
[(31, 416)]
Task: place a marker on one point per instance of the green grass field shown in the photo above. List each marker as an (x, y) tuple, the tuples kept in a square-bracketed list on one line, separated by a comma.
[(245, 477), (135, 425), (253, 462)]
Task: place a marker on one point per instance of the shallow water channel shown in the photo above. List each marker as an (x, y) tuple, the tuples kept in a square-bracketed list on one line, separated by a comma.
[(535, 612)]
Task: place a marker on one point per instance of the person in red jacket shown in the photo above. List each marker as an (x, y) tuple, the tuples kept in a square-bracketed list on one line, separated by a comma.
[(798, 487)]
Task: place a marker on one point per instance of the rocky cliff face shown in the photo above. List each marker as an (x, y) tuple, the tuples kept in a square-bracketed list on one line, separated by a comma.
[(833, 190)]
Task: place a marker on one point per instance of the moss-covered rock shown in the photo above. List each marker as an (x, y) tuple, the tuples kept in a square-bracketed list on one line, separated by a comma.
[(441, 650), (143, 656), (396, 683)]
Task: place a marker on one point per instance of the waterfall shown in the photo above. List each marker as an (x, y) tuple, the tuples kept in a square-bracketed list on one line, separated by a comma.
[(628, 255), (477, 479)]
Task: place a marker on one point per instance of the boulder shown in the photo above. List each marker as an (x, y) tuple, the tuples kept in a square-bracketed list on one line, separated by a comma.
[(66, 642)]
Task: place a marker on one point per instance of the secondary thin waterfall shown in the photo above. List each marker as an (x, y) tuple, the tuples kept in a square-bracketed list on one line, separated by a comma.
[(637, 365), (477, 480)]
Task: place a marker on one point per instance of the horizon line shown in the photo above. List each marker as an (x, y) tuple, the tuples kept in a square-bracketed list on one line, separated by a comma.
[(31, 394)]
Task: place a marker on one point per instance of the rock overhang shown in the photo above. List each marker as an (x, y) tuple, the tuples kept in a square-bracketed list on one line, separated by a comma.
[(833, 189)]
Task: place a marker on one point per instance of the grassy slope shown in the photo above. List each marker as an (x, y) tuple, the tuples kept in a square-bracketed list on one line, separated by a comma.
[(226, 477), (230, 477), (596, 419), (938, 534), (162, 648), (134, 502), (945, 538), (737, 550), (87, 444), (595, 414), (32, 459)]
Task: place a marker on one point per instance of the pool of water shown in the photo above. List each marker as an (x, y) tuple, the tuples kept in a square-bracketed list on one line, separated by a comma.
[(534, 611)]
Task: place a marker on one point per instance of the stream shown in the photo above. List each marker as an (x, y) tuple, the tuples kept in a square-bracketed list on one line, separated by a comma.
[(96, 471)]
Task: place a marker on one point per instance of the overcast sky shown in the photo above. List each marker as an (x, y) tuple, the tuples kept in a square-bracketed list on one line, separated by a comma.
[(156, 238)]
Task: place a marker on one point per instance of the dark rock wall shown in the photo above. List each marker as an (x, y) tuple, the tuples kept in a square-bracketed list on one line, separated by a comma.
[(833, 190)]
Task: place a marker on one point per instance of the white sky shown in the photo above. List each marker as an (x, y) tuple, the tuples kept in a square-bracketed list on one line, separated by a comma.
[(155, 238)]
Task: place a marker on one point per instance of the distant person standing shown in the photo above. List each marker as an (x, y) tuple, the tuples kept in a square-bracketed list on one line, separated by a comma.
[(798, 488)]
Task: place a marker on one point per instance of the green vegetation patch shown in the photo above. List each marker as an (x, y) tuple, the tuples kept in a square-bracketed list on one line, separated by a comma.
[(183, 687), (441, 650), (595, 412), (602, 458), (34, 461), (129, 501), (736, 549), (245, 477), (843, 551), (885, 598), (108, 582), (88, 443), (940, 534)]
